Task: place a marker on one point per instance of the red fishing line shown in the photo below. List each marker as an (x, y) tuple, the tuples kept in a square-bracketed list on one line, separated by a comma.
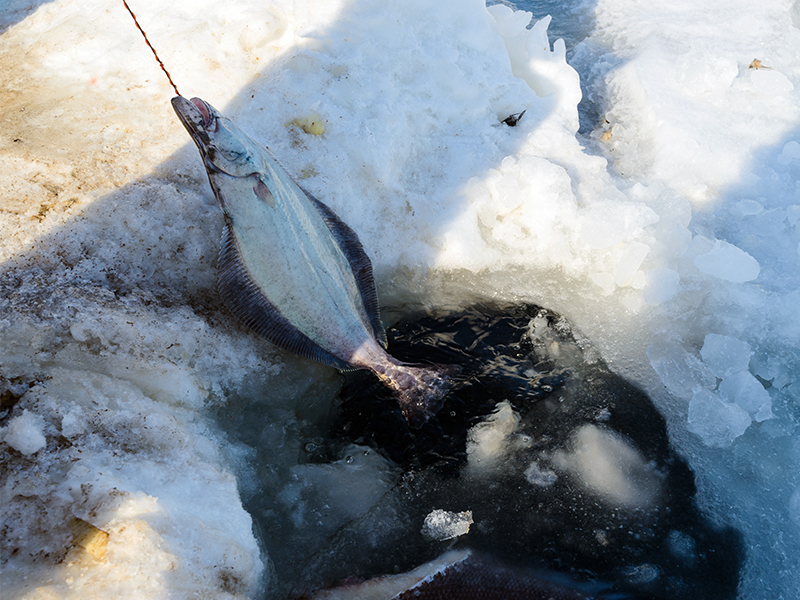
[(161, 64)]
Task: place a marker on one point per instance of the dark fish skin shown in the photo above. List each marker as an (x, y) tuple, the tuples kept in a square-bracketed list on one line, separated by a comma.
[(481, 578), (455, 575)]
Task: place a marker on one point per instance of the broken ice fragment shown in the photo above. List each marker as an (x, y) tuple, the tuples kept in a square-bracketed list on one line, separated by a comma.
[(790, 152), (607, 464), (725, 355), (536, 475), (679, 371), (488, 440), (746, 391), (717, 422), (445, 525), (629, 262), (728, 262)]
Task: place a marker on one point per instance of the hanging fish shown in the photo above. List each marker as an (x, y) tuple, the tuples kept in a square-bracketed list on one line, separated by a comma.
[(291, 270)]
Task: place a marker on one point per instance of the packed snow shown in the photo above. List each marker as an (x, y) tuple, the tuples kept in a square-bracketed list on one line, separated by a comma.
[(650, 193)]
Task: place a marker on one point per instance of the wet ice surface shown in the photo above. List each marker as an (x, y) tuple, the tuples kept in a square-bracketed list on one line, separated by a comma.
[(559, 464)]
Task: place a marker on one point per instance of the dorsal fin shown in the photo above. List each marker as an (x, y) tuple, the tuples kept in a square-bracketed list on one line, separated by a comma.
[(353, 251), (246, 300)]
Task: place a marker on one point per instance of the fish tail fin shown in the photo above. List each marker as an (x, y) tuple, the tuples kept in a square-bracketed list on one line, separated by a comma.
[(420, 389)]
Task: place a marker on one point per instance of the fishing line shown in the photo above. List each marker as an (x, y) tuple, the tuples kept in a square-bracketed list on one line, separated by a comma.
[(149, 45)]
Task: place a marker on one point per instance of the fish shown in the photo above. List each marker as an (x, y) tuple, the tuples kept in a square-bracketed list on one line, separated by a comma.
[(293, 271), (457, 574)]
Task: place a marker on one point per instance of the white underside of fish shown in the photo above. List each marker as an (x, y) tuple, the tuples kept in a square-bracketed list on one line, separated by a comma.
[(293, 271)]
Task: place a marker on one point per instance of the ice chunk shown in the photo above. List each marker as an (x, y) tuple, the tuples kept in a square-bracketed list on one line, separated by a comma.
[(445, 525), (361, 471), (605, 281), (718, 423), (748, 208), (629, 262), (607, 224), (728, 262), (546, 72), (746, 391), (487, 441), (725, 355), (608, 465), (538, 476), (25, 433), (73, 423), (679, 371), (509, 22), (682, 545)]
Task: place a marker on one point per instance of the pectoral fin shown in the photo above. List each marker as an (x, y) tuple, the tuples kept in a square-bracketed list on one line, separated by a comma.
[(262, 191)]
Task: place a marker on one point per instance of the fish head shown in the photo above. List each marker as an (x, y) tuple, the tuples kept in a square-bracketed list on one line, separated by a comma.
[(224, 147)]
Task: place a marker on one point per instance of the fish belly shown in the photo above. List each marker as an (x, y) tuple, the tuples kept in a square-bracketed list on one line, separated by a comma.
[(290, 256)]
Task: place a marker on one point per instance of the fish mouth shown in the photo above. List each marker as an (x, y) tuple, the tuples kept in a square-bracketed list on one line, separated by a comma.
[(208, 119), (197, 116)]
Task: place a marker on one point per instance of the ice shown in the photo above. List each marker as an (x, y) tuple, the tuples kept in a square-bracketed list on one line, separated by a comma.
[(717, 422), (746, 391), (544, 70), (728, 262), (790, 152), (608, 465), (536, 475), (627, 269), (725, 355), (662, 285), (445, 525), (680, 371), (488, 441)]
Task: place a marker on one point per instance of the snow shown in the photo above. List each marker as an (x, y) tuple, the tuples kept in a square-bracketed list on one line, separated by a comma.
[(24, 433), (650, 193)]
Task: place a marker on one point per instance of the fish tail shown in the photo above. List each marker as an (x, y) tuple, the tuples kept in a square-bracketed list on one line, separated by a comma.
[(420, 389)]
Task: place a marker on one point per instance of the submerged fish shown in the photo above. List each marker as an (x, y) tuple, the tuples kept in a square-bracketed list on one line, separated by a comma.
[(456, 575), (291, 270)]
